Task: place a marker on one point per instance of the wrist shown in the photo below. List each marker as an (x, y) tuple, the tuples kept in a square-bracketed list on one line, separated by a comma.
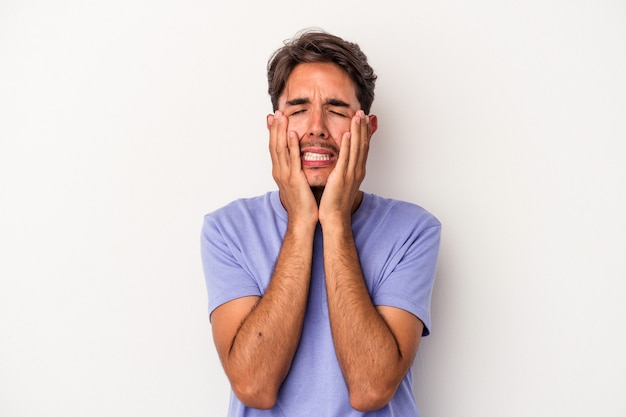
[(337, 224), (301, 226)]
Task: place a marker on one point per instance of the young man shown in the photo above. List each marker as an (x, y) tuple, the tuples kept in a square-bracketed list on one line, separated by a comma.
[(319, 293)]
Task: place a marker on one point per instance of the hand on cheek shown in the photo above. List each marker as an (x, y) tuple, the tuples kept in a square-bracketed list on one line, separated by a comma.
[(295, 193), (343, 186)]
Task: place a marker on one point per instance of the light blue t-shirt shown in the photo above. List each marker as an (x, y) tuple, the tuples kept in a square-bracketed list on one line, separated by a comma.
[(397, 243)]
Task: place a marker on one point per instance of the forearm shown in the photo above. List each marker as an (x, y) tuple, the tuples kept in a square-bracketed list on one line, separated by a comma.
[(369, 355), (263, 347)]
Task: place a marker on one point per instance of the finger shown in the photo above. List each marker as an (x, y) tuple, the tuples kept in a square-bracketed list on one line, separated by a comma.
[(365, 137), (357, 139), (344, 154), (278, 142), (271, 118), (363, 146), (293, 145)]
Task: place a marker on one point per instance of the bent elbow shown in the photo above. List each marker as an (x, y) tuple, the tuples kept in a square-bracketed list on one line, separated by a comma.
[(370, 400), (254, 396)]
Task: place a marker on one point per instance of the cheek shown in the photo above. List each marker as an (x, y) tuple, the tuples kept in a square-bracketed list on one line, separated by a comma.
[(296, 124), (337, 130)]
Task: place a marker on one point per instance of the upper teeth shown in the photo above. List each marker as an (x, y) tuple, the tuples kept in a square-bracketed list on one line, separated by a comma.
[(310, 156)]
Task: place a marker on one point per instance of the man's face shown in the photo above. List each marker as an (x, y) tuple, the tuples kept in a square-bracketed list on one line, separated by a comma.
[(319, 101)]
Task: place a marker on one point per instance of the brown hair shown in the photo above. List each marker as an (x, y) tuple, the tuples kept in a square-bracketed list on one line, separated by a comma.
[(316, 46)]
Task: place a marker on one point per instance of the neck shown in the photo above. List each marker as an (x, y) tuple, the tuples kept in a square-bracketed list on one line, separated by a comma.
[(317, 193)]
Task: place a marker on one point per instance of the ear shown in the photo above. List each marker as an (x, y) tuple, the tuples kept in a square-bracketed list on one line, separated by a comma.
[(373, 124)]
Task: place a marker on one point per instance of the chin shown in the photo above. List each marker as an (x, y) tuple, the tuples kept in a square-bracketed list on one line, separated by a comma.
[(317, 184), (316, 180)]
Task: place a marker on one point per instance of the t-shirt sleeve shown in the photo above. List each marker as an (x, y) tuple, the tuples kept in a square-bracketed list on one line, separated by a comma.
[(409, 284), (225, 277)]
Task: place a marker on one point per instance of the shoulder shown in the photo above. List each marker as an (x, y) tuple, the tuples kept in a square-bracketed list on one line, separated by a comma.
[(247, 220), (397, 212), (244, 208)]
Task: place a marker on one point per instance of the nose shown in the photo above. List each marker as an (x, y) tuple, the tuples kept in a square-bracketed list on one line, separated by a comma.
[(317, 125)]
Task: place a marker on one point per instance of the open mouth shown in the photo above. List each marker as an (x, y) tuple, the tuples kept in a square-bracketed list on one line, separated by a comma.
[(312, 156)]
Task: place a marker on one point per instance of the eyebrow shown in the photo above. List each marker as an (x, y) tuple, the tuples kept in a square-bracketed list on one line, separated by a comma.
[(331, 101), (337, 103)]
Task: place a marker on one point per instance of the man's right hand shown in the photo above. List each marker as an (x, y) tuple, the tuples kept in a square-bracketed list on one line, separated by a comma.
[(295, 192)]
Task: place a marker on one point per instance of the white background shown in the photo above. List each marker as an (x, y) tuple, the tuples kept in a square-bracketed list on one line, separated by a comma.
[(123, 122)]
